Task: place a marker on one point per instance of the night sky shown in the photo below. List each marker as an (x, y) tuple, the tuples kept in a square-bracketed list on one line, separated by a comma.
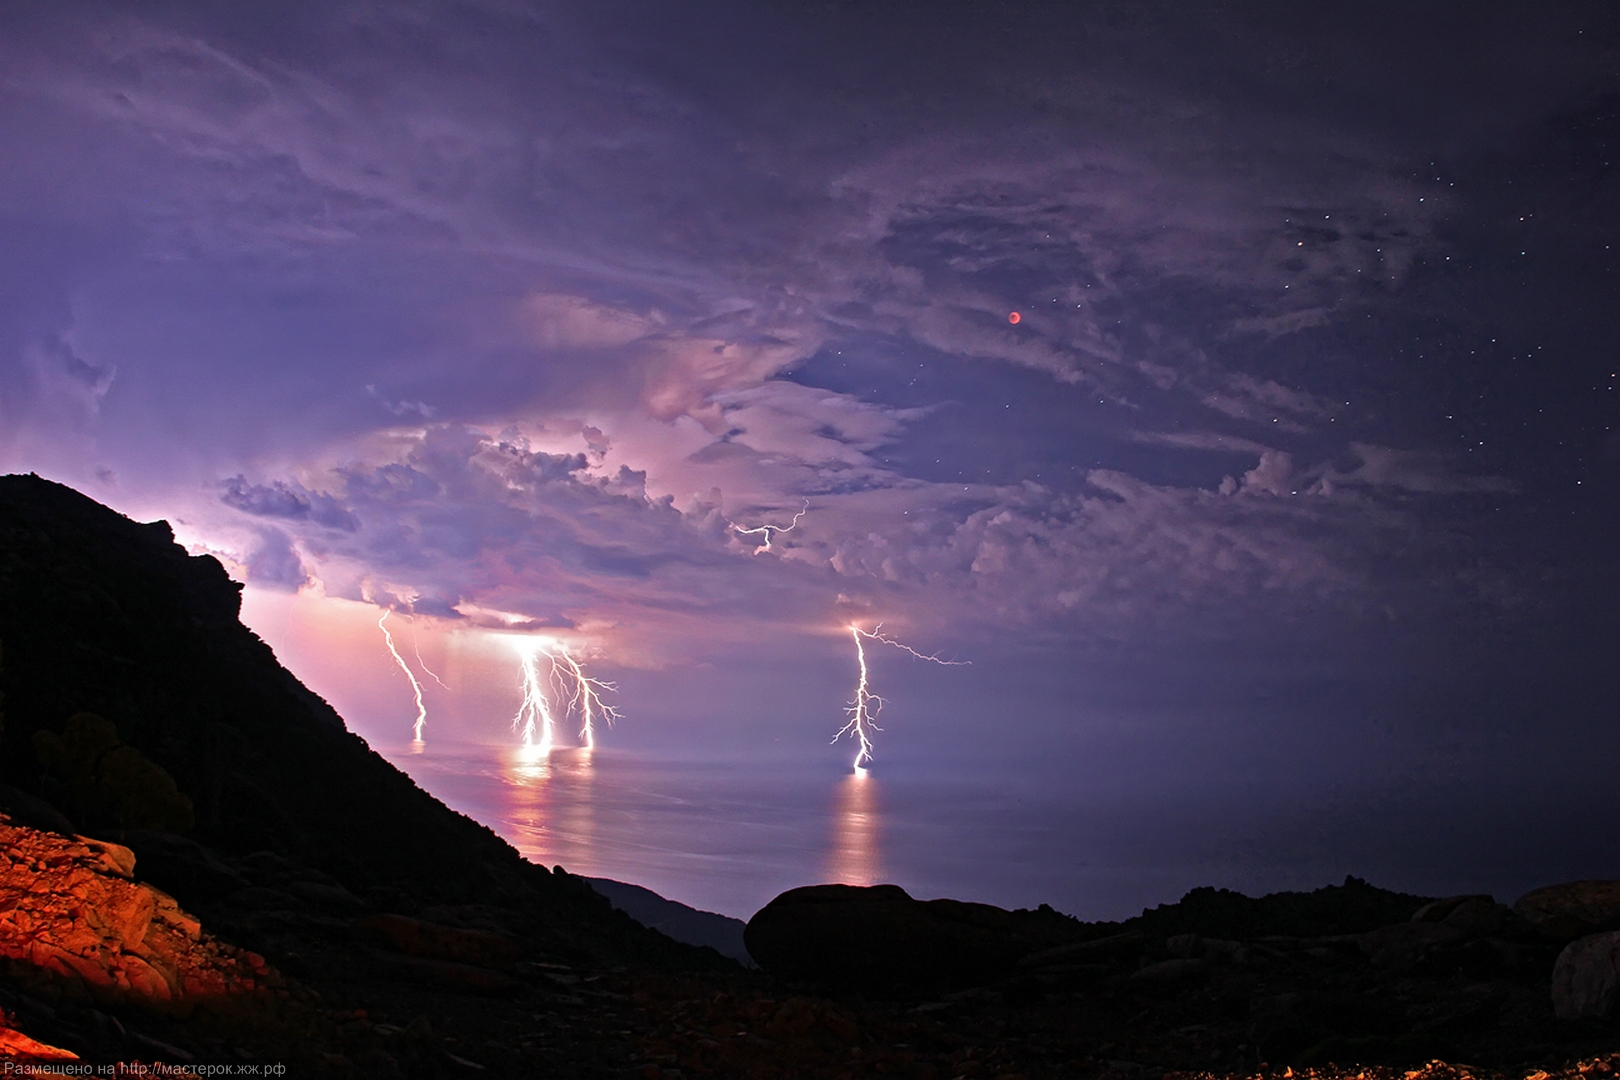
[(1294, 477)]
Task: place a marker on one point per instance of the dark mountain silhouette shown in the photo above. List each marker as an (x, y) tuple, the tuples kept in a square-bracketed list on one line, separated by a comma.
[(129, 680), (721, 933)]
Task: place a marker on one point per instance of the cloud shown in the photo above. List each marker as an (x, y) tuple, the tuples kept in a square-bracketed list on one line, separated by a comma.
[(790, 423), (688, 375), (601, 288), (290, 501), (466, 524), (666, 211), (65, 373), (1122, 553), (573, 322), (1245, 397), (1422, 471), (1124, 556), (403, 408), (1098, 249), (274, 563), (1369, 469), (1274, 475), (1200, 440), (1276, 326)]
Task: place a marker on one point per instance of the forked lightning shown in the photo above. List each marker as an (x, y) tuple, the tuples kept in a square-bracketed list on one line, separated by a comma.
[(863, 711), (535, 722)]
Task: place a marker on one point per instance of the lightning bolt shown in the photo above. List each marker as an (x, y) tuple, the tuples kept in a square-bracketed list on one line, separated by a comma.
[(416, 687), (416, 646), (932, 657), (863, 711), (533, 721), (585, 695), (767, 530), (536, 719)]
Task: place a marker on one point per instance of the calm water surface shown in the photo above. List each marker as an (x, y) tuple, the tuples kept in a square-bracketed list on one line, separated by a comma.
[(726, 836), (722, 836)]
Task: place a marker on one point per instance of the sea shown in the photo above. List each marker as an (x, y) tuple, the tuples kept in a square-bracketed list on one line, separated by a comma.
[(722, 790), (727, 835)]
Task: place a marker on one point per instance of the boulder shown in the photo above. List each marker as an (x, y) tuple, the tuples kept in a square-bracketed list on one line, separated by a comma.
[(1576, 908), (111, 783), (1352, 908), (1586, 979), (1438, 910), (256, 898), (1479, 917), (879, 936), (445, 975), (1080, 952), (1401, 945)]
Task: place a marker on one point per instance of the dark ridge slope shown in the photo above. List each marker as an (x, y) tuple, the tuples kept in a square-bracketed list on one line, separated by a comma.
[(721, 933), (102, 615)]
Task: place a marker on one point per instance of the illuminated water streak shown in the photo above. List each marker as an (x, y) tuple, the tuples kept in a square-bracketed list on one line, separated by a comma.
[(550, 807), (855, 857)]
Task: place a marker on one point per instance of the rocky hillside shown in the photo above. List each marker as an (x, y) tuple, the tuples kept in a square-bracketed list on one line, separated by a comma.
[(138, 706)]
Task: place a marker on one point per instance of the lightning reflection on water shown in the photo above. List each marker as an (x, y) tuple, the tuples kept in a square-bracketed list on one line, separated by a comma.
[(855, 856), (550, 809)]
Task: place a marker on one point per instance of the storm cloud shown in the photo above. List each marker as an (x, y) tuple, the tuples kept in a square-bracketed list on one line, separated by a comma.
[(527, 312)]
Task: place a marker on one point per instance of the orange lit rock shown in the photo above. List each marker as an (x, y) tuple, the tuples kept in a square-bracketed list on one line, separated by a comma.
[(19, 1048), (73, 922)]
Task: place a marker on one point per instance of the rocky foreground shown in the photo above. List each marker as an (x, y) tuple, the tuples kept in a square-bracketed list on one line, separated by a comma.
[(290, 970)]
